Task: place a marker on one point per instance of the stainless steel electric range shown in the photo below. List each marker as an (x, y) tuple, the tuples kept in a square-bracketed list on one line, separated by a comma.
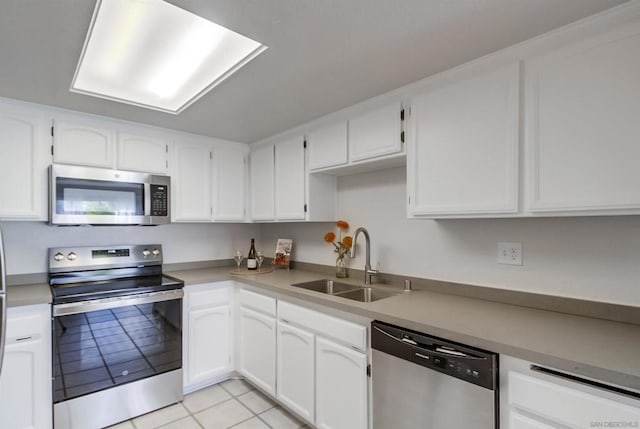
[(117, 334)]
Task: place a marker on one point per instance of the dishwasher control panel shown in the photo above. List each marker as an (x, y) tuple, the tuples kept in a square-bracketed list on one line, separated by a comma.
[(467, 363)]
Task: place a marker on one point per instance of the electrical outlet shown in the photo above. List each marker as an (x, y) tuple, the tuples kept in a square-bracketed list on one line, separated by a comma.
[(510, 253)]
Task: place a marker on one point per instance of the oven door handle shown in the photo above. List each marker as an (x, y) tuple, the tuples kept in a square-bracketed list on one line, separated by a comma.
[(115, 302)]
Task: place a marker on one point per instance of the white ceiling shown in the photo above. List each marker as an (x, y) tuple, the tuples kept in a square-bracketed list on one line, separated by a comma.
[(323, 55)]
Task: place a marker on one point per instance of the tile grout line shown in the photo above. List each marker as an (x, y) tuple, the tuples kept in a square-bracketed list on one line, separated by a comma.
[(250, 410)]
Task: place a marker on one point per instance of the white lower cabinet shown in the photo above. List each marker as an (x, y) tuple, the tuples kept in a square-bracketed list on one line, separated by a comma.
[(538, 399), (322, 368), (341, 390), (257, 340), (313, 363), (295, 372), (207, 335), (25, 384)]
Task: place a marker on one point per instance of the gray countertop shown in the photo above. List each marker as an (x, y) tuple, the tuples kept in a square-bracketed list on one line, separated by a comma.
[(596, 348), (28, 294), (601, 349)]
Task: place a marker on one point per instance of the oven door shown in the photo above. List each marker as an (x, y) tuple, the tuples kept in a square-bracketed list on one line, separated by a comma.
[(105, 343)]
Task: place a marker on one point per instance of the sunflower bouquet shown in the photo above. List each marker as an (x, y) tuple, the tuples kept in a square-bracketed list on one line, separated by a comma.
[(342, 246)]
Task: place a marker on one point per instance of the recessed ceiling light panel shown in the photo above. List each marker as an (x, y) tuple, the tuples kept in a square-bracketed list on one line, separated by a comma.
[(153, 54)]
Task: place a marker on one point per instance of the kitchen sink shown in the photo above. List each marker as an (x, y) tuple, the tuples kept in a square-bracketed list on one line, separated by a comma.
[(326, 286), (346, 290), (368, 294)]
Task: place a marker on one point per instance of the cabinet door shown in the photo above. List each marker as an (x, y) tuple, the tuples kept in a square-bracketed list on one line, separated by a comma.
[(582, 125), (84, 142), (229, 184), (191, 182), (24, 158), (25, 384), (290, 180), (328, 146), (142, 153), (375, 133), (208, 343), (341, 387), (464, 157), (257, 349), (295, 373), (262, 183)]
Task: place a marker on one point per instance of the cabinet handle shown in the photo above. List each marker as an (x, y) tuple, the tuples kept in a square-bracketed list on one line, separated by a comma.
[(592, 383), (23, 338)]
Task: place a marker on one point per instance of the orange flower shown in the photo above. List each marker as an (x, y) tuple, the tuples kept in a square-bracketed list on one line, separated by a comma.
[(342, 224), (347, 242), (329, 237)]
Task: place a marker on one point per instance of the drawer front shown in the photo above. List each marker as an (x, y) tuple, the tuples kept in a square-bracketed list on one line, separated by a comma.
[(574, 407), (207, 295), (258, 302), (26, 323), (346, 332)]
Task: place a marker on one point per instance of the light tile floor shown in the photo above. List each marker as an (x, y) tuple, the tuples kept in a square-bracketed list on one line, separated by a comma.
[(230, 404)]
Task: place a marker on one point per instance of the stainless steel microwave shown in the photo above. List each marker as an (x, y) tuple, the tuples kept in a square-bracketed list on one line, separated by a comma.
[(99, 196)]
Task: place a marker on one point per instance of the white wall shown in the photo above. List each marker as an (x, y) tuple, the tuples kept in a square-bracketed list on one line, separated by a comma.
[(27, 242), (596, 258)]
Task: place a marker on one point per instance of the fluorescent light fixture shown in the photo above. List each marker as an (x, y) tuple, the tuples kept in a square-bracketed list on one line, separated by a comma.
[(153, 54)]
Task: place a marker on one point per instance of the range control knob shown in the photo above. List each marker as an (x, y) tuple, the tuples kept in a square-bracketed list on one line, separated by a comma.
[(146, 252), (58, 257), (72, 256), (156, 252)]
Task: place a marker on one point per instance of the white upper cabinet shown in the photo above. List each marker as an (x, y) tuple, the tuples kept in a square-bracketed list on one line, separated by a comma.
[(92, 142), (84, 141), (583, 104), (463, 159), (24, 158), (376, 133), (290, 179), (328, 146), (229, 184), (262, 183), (140, 152), (208, 182), (283, 190), (191, 182)]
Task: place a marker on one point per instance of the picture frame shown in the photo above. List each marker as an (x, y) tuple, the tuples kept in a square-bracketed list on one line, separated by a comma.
[(282, 257)]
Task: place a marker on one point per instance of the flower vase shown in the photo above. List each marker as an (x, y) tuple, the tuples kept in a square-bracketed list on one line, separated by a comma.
[(341, 268)]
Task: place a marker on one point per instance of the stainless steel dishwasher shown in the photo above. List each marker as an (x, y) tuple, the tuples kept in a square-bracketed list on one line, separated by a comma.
[(425, 382)]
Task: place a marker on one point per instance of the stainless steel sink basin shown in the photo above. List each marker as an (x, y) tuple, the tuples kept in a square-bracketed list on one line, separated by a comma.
[(368, 294), (326, 286), (346, 290)]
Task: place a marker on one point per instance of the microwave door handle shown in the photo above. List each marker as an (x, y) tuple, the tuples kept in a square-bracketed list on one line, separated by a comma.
[(147, 199)]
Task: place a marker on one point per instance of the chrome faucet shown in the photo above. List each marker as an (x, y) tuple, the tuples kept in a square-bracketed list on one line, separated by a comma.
[(368, 272)]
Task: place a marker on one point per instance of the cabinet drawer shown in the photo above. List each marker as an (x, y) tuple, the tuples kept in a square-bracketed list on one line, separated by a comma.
[(261, 303), (327, 326), (572, 406), (25, 322), (207, 296)]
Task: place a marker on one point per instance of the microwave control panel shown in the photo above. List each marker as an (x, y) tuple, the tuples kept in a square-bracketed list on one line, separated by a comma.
[(159, 200)]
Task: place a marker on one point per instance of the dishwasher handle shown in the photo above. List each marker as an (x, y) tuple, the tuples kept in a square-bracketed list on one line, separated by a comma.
[(466, 363), (435, 348)]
